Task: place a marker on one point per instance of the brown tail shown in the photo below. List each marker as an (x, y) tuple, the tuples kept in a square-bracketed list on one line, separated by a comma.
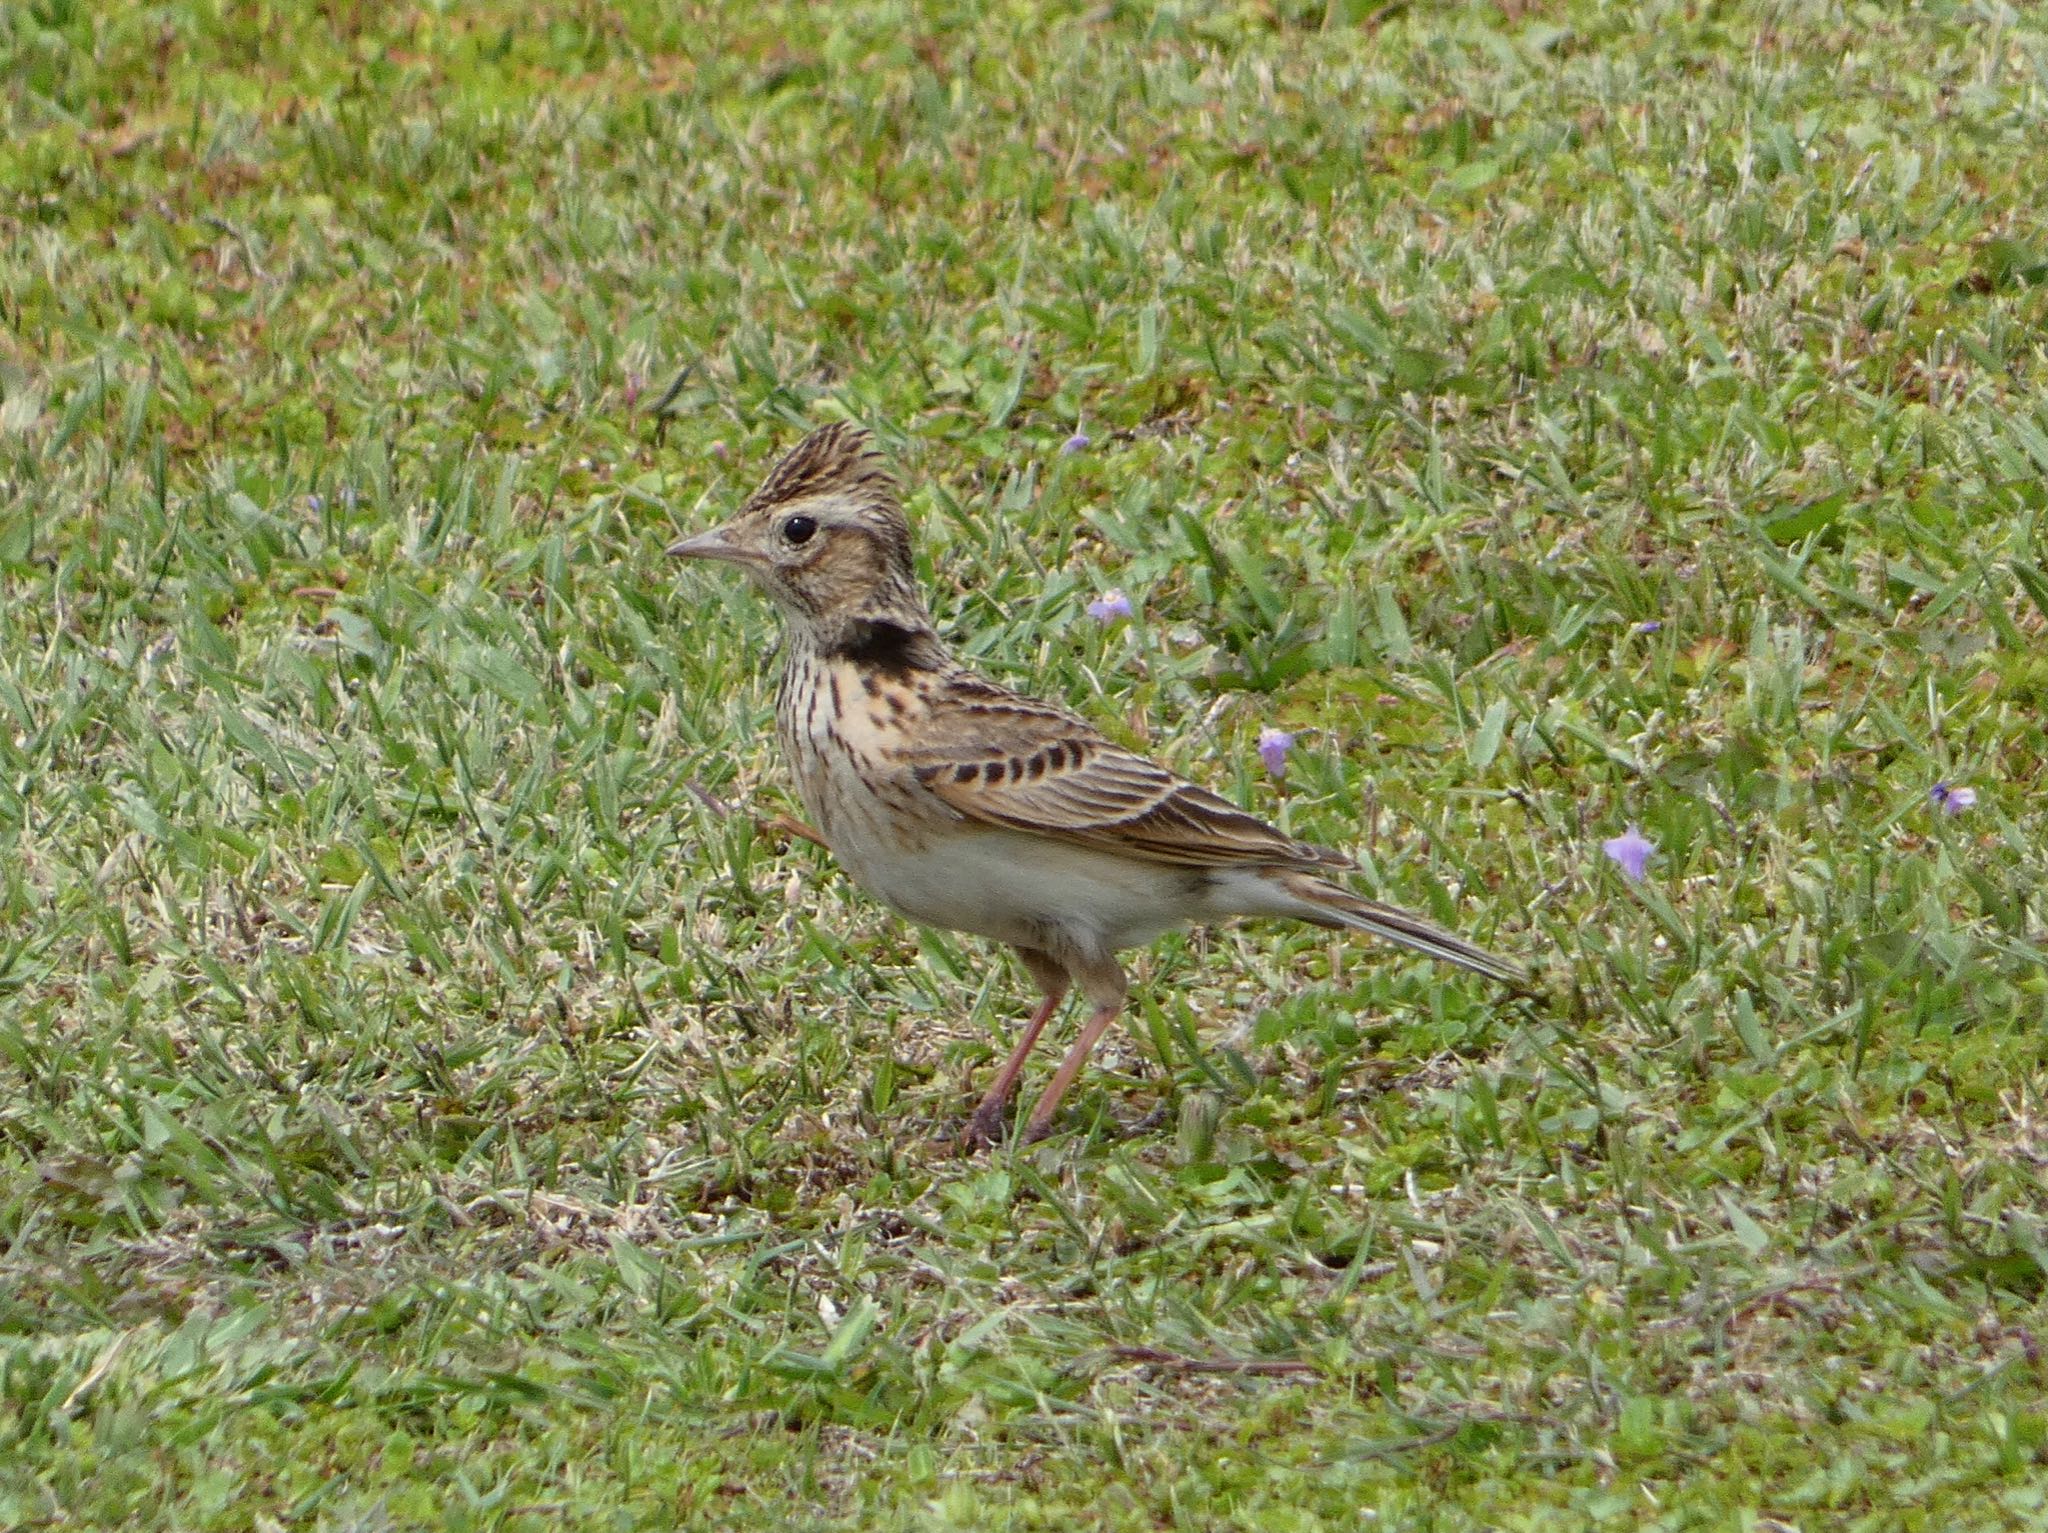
[(1329, 905)]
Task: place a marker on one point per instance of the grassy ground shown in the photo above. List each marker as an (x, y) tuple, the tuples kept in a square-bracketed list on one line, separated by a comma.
[(427, 1101)]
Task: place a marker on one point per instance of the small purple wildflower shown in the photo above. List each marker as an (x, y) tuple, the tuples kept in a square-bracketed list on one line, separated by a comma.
[(1652, 626), (316, 503), (1110, 606), (1274, 744), (1078, 442), (1630, 851), (1952, 800)]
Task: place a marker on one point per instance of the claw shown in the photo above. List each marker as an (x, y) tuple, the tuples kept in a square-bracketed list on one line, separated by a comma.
[(789, 825), (984, 1131)]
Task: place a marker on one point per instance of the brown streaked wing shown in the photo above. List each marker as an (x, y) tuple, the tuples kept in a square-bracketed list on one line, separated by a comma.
[(1027, 765)]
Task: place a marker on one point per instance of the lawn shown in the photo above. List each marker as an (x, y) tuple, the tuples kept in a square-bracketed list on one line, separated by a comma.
[(431, 1098)]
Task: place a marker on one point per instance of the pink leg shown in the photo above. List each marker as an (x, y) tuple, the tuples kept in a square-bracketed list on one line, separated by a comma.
[(986, 1126), (1105, 1012)]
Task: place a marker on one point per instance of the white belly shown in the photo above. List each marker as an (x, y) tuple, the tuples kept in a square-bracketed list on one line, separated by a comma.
[(1021, 889)]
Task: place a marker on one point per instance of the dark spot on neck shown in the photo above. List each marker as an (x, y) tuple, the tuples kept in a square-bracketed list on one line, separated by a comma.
[(883, 646)]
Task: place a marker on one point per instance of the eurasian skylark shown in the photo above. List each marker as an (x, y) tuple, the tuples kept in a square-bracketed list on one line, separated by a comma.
[(960, 804)]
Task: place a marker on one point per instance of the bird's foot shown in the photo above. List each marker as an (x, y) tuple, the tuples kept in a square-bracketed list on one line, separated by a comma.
[(1137, 1128), (984, 1130), (1153, 1120)]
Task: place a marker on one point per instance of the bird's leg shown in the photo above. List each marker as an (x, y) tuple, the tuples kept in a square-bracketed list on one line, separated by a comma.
[(1105, 1012), (986, 1126), (1103, 982)]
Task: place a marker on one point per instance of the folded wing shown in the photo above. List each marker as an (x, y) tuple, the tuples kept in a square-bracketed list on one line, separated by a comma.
[(1026, 765)]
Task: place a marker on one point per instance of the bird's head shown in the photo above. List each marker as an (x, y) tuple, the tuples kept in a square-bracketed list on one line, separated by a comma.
[(825, 537)]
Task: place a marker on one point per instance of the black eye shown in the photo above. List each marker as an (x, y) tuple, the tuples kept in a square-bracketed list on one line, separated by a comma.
[(798, 530)]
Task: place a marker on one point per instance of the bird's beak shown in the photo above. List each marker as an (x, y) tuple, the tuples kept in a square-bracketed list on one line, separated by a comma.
[(718, 543)]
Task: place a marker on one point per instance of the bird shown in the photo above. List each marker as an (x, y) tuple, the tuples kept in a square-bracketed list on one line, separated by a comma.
[(961, 804)]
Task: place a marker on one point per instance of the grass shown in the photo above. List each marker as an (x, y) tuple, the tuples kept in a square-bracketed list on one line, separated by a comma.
[(428, 1100)]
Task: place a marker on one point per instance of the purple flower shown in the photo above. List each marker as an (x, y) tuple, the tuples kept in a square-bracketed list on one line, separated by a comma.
[(1652, 626), (1952, 800), (1274, 744), (1110, 606), (1078, 442), (1629, 851), (316, 503)]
